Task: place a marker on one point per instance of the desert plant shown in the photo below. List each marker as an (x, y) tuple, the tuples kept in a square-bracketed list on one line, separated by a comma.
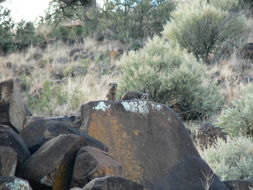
[(7, 41), (25, 35), (237, 119), (171, 76), (225, 4), (204, 29), (232, 159), (48, 98)]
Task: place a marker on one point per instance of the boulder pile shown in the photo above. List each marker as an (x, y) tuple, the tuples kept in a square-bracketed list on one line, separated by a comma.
[(110, 145)]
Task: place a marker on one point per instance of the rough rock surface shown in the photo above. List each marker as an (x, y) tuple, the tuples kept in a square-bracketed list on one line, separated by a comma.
[(12, 108), (112, 183), (10, 138), (8, 161), (52, 165), (147, 139), (91, 163), (38, 130), (239, 184), (13, 183)]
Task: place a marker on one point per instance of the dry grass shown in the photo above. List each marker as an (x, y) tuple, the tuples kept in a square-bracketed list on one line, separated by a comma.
[(231, 75), (56, 59)]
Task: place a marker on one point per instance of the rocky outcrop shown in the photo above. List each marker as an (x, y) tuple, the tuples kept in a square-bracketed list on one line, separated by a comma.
[(8, 161), (239, 184), (12, 107), (10, 138), (91, 163), (13, 183), (112, 183), (52, 165), (38, 130), (148, 140)]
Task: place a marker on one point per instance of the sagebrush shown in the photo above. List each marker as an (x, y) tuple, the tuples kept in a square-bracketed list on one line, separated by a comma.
[(232, 159), (237, 119), (171, 76)]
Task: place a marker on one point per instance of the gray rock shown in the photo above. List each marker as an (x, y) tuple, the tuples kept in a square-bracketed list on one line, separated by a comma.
[(112, 183), (13, 183), (149, 141), (8, 161), (239, 184), (10, 138), (52, 165), (91, 163)]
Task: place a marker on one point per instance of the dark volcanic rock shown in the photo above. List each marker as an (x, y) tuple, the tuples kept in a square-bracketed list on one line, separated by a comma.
[(52, 165), (8, 161), (13, 183), (192, 171), (38, 130), (91, 163), (112, 183), (10, 138), (12, 108), (239, 184), (147, 139)]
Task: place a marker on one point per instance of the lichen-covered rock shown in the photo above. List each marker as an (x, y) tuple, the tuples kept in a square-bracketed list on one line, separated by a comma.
[(147, 139), (13, 183), (12, 108), (112, 183), (239, 184), (10, 138), (38, 130), (52, 164), (8, 161), (91, 163)]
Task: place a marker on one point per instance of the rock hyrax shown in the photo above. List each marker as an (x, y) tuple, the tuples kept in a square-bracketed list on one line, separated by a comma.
[(130, 95), (111, 94)]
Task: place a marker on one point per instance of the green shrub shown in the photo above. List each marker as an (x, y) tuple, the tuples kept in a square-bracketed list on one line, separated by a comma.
[(171, 76), (203, 29), (48, 98), (7, 40), (25, 35), (231, 160), (238, 119), (225, 4)]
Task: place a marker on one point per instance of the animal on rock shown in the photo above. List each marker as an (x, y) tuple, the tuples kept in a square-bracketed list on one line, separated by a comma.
[(111, 94), (130, 95)]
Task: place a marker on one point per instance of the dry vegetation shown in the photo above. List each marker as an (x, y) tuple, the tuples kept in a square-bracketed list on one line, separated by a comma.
[(80, 80), (64, 77)]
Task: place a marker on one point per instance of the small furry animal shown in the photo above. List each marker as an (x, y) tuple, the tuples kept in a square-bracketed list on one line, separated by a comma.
[(111, 94), (130, 95)]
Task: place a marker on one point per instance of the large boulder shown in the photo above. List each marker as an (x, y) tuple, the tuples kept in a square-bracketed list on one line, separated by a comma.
[(38, 130), (8, 161), (51, 166), (12, 108), (239, 184), (13, 183), (148, 140), (112, 183), (10, 138), (91, 163)]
